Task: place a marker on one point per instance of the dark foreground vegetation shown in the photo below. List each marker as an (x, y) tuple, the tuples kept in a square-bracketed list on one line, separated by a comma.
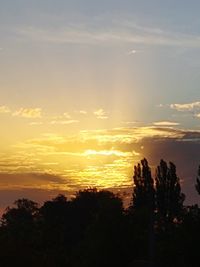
[(94, 229)]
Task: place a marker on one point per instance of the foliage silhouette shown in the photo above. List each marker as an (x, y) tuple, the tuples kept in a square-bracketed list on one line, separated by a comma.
[(143, 192), (169, 199), (143, 206), (94, 229)]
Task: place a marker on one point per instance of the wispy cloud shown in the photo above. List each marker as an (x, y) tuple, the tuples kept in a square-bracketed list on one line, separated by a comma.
[(83, 112), (66, 115), (166, 123), (130, 135), (161, 105), (109, 153), (186, 106), (28, 113), (101, 114), (112, 35), (132, 52), (64, 122), (63, 116), (36, 123), (130, 122), (197, 115), (28, 180), (4, 109)]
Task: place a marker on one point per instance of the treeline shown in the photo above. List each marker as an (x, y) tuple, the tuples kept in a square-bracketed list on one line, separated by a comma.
[(94, 229)]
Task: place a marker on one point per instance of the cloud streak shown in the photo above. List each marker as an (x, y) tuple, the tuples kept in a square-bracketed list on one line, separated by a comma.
[(113, 35), (166, 123), (64, 122)]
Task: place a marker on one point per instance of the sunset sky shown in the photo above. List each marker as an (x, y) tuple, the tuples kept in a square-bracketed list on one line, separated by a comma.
[(88, 88)]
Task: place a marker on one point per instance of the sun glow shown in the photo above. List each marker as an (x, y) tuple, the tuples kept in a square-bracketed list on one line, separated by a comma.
[(91, 158), (106, 153)]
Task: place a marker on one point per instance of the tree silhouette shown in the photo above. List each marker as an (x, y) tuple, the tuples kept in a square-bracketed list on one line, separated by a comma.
[(143, 206), (143, 191), (99, 224), (21, 215), (169, 199), (94, 229), (19, 234)]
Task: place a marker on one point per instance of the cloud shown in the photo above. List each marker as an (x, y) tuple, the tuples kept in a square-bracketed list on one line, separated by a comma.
[(99, 158), (101, 114), (121, 33), (166, 123), (130, 122), (4, 109), (28, 113), (36, 123), (197, 115), (64, 122), (20, 180), (66, 115), (123, 135), (186, 106), (109, 153), (83, 112), (132, 52), (59, 117), (64, 118), (161, 105)]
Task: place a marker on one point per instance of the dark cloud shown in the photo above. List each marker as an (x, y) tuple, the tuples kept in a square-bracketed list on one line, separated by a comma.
[(186, 156), (181, 147), (29, 179)]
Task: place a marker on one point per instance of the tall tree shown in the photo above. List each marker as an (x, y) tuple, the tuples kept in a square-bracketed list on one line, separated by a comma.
[(169, 199), (143, 191), (143, 207)]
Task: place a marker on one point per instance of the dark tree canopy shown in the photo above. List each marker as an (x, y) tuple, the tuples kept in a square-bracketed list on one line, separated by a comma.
[(169, 199), (143, 191), (22, 214), (94, 229)]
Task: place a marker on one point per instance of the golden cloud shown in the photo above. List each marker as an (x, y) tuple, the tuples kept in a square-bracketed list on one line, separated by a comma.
[(64, 122), (28, 113), (166, 123), (101, 114), (4, 109), (100, 158)]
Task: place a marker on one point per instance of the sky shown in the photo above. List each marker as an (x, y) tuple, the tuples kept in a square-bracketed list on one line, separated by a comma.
[(88, 88)]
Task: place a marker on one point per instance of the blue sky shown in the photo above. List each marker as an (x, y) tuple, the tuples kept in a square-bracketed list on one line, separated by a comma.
[(144, 51)]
